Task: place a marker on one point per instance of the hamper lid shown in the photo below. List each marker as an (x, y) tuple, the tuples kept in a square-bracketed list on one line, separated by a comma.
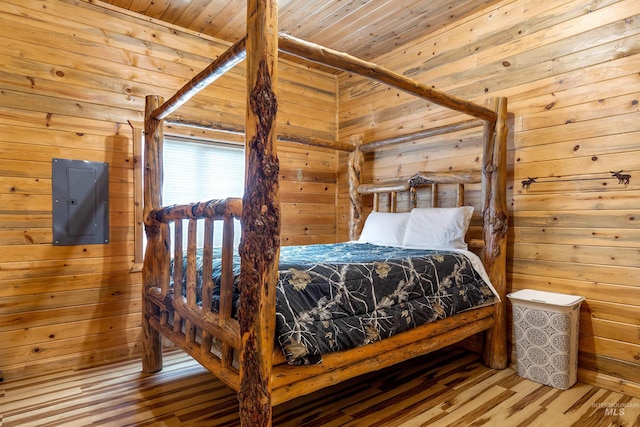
[(546, 297)]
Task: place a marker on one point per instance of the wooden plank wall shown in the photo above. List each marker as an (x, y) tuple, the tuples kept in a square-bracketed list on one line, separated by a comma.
[(73, 74), (570, 71)]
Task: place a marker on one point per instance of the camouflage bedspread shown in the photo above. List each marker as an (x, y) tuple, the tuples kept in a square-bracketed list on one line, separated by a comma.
[(338, 296)]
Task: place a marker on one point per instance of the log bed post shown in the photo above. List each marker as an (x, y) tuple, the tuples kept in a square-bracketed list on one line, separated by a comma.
[(260, 244), (495, 230), (356, 159), (157, 254)]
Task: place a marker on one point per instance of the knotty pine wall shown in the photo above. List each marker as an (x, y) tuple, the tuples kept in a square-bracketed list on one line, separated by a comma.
[(570, 71), (73, 75)]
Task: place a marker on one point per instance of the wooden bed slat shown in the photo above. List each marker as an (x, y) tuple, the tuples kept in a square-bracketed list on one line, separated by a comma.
[(178, 269), (226, 286), (207, 280), (191, 263), (460, 195), (207, 264)]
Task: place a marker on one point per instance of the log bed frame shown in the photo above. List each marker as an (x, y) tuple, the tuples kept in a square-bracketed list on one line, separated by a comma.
[(262, 377)]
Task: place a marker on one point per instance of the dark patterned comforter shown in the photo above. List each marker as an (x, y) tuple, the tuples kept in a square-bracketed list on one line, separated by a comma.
[(338, 296)]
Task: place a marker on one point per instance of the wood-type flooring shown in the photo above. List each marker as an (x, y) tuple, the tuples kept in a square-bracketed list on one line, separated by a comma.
[(447, 388)]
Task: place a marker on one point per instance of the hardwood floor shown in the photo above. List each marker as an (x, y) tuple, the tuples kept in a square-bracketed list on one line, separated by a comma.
[(449, 388)]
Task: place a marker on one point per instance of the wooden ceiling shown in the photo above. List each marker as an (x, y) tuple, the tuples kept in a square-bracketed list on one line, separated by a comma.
[(363, 28)]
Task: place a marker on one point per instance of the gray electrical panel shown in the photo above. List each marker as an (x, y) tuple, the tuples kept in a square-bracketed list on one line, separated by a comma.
[(80, 202)]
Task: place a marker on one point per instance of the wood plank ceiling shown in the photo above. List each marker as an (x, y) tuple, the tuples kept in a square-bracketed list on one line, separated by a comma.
[(363, 28)]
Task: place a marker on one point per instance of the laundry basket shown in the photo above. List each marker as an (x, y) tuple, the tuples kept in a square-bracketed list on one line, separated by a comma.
[(545, 326)]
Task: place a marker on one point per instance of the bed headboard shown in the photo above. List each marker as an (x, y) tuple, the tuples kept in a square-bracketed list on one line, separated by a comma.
[(424, 179), (421, 179)]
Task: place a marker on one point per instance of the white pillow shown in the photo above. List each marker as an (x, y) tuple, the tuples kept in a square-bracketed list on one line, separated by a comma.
[(385, 228), (438, 228)]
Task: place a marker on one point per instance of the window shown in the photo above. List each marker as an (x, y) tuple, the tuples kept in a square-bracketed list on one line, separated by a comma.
[(196, 171)]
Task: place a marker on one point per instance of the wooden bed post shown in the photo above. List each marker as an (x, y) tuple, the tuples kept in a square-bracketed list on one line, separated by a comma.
[(356, 159), (260, 245), (156, 255), (495, 230)]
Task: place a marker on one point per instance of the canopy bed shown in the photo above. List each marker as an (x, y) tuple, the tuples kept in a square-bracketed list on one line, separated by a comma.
[(244, 322)]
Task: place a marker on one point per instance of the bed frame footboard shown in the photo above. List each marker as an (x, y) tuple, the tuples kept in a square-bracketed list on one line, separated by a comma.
[(177, 312)]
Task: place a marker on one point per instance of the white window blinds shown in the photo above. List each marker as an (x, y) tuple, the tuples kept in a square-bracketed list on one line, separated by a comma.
[(197, 172)]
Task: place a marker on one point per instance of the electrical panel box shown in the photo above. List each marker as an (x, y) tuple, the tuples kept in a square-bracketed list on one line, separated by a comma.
[(80, 202)]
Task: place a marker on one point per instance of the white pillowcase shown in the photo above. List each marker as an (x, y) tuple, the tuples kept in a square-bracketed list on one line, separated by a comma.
[(385, 228), (438, 228)]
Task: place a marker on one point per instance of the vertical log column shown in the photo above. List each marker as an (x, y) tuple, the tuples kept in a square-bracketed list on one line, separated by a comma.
[(156, 255), (356, 159), (260, 246), (495, 230)]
